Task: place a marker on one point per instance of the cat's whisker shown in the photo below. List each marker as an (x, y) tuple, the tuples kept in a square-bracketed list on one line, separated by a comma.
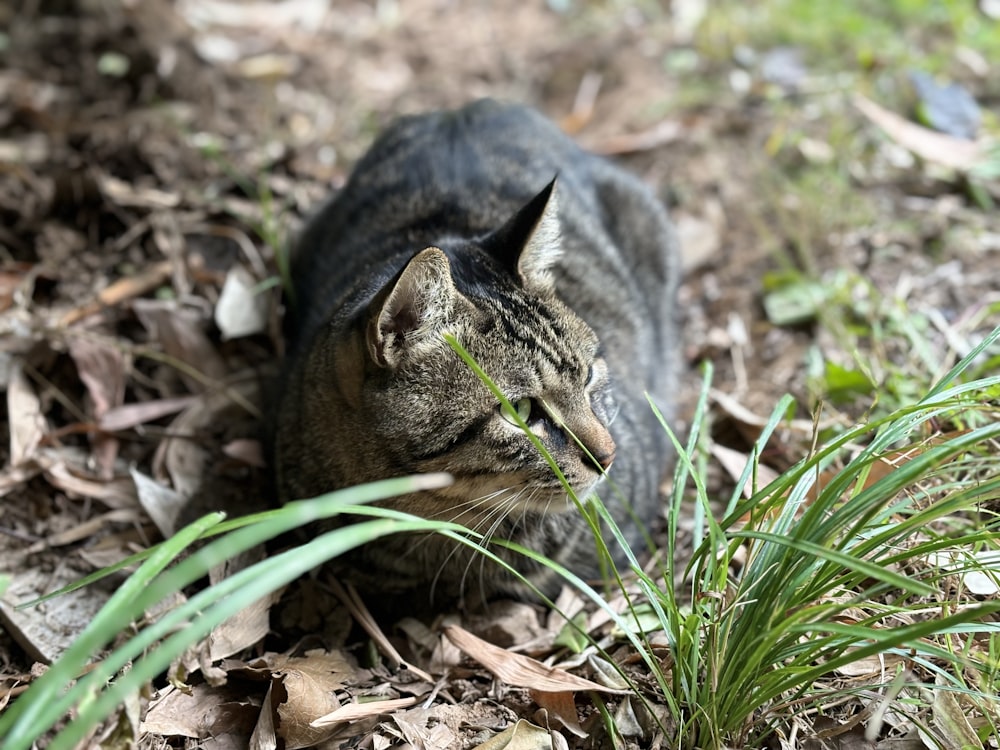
[(497, 511)]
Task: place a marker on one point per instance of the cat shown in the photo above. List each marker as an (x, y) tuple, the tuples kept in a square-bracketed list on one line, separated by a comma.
[(557, 271)]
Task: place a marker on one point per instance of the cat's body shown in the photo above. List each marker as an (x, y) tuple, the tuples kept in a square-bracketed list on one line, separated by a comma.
[(564, 295)]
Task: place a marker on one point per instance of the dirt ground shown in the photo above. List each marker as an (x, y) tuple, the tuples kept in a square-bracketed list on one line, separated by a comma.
[(155, 155)]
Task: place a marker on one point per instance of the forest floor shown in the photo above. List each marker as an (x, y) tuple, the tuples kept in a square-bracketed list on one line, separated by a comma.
[(155, 156)]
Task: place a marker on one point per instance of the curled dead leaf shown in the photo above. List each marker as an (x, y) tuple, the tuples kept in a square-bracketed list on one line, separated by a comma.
[(519, 670)]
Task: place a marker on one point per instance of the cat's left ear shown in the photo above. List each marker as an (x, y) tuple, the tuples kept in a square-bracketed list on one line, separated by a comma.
[(412, 309), (529, 243)]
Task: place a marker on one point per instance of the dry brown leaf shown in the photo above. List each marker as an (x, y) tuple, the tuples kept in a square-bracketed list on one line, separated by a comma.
[(181, 333), (249, 452), (355, 711), (264, 735), (62, 471), (121, 290), (877, 665), (245, 628), (734, 462), (183, 460), (24, 414), (521, 736), (562, 708), (201, 712), (508, 623), (302, 690), (126, 416), (951, 719), (519, 670), (10, 281), (928, 144), (425, 728), (102, 368)]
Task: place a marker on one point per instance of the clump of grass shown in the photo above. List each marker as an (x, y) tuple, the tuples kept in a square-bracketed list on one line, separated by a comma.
[(844, 561)]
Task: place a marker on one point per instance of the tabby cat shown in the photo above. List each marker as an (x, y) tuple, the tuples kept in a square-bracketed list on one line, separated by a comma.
[(556, 271)]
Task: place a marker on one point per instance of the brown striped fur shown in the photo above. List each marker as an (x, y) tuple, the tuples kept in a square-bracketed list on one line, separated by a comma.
[(556, 270)]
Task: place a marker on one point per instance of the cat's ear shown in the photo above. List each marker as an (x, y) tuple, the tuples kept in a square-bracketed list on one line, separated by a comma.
[(529, 243), (418, 304)]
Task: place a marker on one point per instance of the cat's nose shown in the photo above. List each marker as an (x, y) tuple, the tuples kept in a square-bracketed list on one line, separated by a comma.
[(602, 449), (605, 459)]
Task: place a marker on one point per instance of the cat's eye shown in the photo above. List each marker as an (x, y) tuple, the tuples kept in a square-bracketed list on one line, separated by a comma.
[(523, 408)]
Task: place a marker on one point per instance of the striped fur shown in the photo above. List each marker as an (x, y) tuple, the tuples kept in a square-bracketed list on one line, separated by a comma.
[(564, 292)]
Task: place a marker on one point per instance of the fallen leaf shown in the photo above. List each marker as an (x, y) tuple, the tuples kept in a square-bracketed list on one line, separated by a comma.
[(86, 529), (24, 414), (562, 708), (302, 690), (355, 711), (507, 623), (183, 460), (63, 468), (425, 728), (244, 629), (181, 333), (871, 666), (928, 144), (249, 452), (121, 290), (102, 369), (734, 462), (126, 416), (519, 670), (202, 711), (951, 719), (162, 504), (521, 736)]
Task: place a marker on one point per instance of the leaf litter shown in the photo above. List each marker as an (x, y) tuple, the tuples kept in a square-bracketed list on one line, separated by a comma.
[(143, 204)]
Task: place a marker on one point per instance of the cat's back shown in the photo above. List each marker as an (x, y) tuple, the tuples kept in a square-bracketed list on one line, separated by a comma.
[(432, 177)]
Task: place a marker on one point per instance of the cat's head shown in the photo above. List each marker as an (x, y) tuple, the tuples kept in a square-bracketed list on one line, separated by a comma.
[(425, 410)]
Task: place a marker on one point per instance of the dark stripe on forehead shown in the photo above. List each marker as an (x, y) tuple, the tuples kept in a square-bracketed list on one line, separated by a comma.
[(532, 325)]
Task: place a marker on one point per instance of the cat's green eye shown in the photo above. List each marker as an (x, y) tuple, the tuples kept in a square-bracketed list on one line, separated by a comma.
[(523, 408)]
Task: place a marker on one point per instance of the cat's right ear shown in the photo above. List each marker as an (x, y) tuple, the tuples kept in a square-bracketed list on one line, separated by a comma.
[(419, 303), (529, 242)]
